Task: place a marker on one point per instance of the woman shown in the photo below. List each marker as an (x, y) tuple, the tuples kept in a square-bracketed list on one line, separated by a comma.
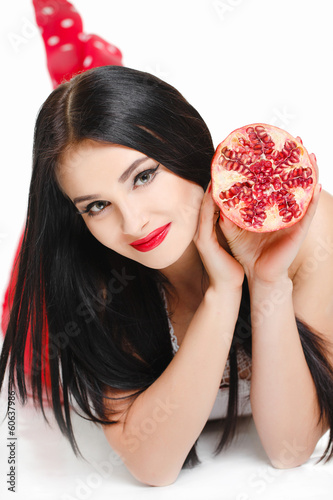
[(122, 234)]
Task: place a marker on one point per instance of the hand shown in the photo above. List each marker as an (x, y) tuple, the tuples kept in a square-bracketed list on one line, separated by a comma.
[(268, 256), (222, 269)]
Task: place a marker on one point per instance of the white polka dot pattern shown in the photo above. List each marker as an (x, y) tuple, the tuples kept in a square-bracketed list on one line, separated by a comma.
[(98, 44), (66, 23), (112, 49), (67, 47), (83, 37), (53, 40), (87, 61), (48, 11)]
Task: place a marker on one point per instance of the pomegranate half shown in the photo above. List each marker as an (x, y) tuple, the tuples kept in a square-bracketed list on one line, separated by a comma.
[(262, 178)]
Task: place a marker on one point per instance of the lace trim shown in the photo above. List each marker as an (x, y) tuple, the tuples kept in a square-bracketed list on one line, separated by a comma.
[(244, 361), (174, 340), (244, 364)]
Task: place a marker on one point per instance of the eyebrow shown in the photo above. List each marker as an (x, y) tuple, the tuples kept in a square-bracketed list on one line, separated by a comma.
[(123, 178), (79, 199)]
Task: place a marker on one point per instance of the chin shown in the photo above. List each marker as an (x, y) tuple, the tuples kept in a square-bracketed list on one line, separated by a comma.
[(159, 263), (156, 259), (170, 259)]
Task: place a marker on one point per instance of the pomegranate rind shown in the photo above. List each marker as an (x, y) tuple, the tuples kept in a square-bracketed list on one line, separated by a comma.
[(263, 203)]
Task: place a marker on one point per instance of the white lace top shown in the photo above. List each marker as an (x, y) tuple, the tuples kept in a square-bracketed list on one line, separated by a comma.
[(219, 409)]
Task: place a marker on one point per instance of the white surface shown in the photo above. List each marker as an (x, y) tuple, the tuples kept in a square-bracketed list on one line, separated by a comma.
[(48, 469), (237, 62)]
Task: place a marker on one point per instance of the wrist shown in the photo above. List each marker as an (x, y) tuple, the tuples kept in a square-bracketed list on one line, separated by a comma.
[(280, 287), (269, 282), (224, 304), (271, 302), (222, 291), (230, 284)]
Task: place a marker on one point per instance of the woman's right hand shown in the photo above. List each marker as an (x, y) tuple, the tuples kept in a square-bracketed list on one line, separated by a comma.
[(222, 268)]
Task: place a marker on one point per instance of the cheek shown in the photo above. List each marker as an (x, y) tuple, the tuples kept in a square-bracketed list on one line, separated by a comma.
[(183, 197), (102, 233), (190, 203)]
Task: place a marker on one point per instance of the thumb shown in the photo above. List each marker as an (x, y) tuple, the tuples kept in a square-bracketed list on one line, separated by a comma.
[(228, 227)]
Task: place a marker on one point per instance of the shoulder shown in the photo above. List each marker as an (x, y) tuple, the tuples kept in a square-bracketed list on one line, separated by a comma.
[(313, 275), (319, 240)]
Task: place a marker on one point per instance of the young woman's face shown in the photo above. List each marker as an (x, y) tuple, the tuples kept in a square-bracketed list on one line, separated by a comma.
[(130, 203)]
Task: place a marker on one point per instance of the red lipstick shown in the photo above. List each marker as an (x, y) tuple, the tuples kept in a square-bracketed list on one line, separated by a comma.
[(153, 239)]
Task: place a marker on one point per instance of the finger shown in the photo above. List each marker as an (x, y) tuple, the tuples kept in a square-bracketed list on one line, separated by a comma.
[(315, 199), (228, 227), (210, 207), (313, 160), (208, 216), (226, 223), (312, 157), (311, 210)]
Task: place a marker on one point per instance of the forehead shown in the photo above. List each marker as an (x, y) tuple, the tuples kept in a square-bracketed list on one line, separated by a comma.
[(90, 153), (88, 163)]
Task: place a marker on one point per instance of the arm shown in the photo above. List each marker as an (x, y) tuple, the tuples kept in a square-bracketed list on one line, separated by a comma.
[(308, 296), (164, 421), (283, 395), (155, 435)]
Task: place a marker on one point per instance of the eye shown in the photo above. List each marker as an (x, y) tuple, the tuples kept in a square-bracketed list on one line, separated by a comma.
[(145, 177), (95, 208)]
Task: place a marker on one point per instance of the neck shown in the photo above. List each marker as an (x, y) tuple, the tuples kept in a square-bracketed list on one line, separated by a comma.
[(188, 276)]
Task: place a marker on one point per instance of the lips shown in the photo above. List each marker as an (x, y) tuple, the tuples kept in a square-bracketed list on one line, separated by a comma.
[(153, 239)]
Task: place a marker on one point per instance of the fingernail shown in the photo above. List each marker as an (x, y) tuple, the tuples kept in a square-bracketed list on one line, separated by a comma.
[(210, 188), (221, 215)]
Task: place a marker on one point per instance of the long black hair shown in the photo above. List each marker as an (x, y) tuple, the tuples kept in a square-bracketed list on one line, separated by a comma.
[(97, 319)]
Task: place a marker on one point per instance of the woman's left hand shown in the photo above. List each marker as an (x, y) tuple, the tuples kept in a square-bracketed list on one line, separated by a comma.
[(268, 256)]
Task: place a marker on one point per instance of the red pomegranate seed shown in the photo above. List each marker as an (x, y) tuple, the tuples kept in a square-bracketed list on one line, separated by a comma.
[(262, 178)]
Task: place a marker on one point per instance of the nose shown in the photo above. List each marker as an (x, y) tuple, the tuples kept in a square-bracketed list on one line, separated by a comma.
[(133, 219)]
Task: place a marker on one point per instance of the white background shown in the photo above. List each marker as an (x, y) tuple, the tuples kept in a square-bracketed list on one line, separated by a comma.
[(236, 61)]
